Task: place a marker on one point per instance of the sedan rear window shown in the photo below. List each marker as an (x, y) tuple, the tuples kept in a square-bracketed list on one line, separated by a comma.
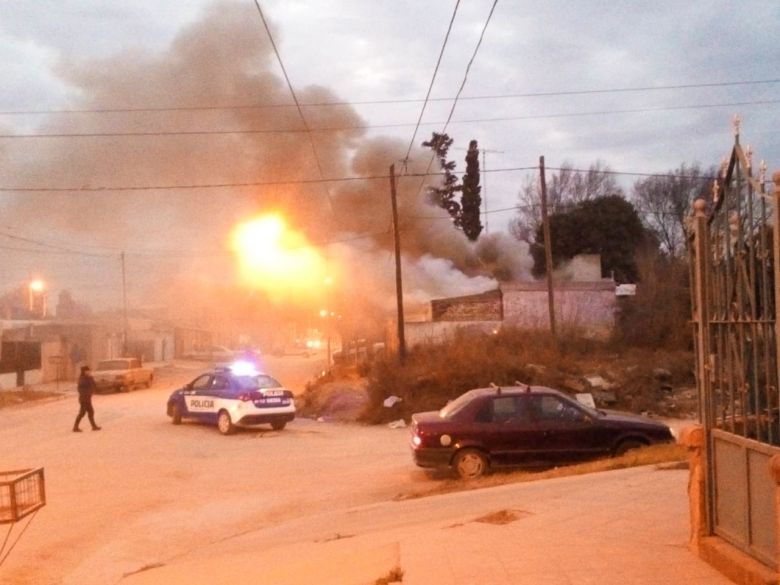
[(454, 406), (258, 382)]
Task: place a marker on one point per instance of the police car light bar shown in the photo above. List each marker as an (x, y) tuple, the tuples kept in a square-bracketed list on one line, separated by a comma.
[(244, 369)]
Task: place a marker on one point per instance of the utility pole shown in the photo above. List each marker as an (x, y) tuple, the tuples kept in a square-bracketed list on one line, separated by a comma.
[(547, 249), (398, 284), (124, 305)]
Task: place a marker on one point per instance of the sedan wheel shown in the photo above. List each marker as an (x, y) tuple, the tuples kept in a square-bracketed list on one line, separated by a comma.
[(224, 424), (470, 463), (278, 425)]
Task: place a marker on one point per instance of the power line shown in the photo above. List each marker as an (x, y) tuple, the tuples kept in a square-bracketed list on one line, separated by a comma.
[(470, 63), (228, 185), (309, 131), (460, 89), (317, 181), (295, 99), (170, 253), (228, 107), (433, 79), (48, 245)]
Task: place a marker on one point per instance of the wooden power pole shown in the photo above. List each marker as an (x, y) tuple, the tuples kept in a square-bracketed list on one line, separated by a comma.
[(399, 291), (124, 306), (547, 249)]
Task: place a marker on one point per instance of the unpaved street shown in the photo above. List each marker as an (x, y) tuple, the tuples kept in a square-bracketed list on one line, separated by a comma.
[(143, 492)]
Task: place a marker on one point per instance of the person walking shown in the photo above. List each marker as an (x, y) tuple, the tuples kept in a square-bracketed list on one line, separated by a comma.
[(86, 387)]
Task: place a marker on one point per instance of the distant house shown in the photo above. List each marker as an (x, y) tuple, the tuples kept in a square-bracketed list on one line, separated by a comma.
[(583, 301)]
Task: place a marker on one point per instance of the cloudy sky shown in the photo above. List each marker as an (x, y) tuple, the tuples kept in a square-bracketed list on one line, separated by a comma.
[(544, 81)]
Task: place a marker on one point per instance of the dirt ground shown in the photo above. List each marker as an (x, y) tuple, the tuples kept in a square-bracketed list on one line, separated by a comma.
[(142, 492)]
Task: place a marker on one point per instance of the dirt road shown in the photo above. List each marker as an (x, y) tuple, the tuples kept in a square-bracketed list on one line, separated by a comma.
[(143, 492)]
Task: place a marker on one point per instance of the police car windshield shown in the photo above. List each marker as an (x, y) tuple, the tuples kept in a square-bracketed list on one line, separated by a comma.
[(256, 382)]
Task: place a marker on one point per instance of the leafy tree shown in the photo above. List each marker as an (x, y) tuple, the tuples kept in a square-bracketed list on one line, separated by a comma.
[(607, 225), (471, 201), (444, 195), (565, 188), (466, 213), (664, 202)]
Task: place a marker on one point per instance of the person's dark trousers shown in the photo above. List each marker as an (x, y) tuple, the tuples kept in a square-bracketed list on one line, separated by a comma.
[(86, 408)]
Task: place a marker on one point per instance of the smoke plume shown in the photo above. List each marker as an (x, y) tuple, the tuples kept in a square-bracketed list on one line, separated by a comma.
[(176, 239)]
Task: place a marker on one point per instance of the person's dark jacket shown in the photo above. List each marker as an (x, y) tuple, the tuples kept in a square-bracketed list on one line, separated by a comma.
[(86, 387)]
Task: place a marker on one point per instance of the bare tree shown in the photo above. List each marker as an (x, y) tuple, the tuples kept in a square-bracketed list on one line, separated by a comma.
[(565, 188), (664, 202)]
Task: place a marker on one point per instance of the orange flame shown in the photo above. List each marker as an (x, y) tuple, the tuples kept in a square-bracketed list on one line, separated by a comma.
[(277, 260)]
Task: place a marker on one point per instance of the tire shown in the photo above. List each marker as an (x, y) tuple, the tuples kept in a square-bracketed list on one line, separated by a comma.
[(176, 414), (278, 425), (224, 424), (470, 463), (627, 445)]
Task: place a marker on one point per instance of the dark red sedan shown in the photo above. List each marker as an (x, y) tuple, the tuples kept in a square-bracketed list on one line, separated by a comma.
[(524, 425)]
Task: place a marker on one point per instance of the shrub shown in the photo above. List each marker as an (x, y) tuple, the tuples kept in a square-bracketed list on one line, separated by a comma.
[(433, 375)]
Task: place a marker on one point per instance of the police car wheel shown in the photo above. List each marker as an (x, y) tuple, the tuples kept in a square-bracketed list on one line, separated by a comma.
[(176, 414), (278, 425), (224, 424)]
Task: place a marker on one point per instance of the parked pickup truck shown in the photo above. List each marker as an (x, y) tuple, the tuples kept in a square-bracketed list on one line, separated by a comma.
[(122, 374)]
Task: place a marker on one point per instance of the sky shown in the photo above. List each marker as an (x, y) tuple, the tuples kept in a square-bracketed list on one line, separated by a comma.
[(542, 82)]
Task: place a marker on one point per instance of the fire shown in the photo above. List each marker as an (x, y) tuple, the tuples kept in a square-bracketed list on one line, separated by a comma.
[(276, 259)]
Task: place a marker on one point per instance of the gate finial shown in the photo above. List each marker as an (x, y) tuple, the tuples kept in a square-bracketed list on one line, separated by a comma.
[(715, 191), (736, 123), (699, 206)]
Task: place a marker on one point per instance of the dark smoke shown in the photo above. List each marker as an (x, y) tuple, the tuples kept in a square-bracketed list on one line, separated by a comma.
[(176, 239)]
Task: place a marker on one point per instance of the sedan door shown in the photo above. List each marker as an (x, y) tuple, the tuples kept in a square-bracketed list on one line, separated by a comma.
[(505, 430), (199, 397), (565, 431)]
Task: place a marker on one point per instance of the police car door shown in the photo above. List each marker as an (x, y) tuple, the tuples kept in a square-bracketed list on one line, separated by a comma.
[(200, 399)]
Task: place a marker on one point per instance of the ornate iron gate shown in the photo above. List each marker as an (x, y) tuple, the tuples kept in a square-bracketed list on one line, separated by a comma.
[(734, 298)]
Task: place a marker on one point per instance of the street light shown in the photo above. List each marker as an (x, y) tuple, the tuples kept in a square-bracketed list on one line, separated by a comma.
[(36, 287)]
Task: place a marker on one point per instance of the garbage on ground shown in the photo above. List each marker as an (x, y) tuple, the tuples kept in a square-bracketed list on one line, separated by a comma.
[(397, 424), (391, 401)]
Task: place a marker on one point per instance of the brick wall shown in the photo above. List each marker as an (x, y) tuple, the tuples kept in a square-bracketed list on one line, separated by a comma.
[(482, 307)]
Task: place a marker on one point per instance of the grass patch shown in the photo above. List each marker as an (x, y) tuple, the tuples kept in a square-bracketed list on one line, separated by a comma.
[(654, 455), (14, 397), (433, 375)]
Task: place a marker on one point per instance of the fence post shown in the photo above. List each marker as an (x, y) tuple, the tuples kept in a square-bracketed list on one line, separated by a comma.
[(702, 319)]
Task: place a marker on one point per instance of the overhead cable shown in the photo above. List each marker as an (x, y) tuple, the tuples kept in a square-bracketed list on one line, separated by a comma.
[(433, 80), (206, 108), (386, 126)]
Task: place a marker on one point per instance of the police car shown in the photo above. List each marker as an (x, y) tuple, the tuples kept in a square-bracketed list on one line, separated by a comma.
[(231, 397)]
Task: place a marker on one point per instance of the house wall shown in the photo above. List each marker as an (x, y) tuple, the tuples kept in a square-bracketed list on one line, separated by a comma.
[(587, 305)]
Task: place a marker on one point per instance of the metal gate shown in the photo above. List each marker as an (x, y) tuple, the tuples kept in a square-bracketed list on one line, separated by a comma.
[(734, 299)]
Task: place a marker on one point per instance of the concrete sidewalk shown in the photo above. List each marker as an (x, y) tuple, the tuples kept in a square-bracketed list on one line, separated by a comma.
[(620, 527)]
